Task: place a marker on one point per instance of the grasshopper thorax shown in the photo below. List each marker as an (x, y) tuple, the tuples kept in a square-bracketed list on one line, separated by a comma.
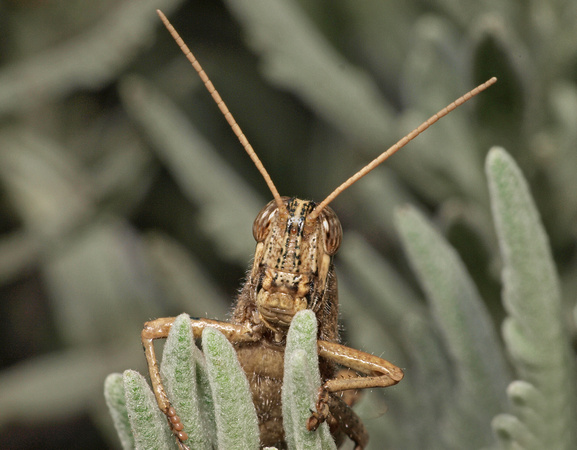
[(292, 259)]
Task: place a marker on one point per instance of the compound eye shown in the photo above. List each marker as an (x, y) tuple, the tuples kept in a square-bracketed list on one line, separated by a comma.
[(332, 230), (264, 219)]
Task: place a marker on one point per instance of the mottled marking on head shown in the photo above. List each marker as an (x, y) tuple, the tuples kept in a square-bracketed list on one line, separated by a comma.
[(290, 258)]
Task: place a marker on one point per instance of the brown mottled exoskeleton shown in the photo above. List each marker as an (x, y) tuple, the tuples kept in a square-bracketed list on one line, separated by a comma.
[(292, 270)]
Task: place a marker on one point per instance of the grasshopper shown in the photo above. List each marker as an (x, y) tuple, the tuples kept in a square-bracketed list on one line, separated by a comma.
[(292, 270)]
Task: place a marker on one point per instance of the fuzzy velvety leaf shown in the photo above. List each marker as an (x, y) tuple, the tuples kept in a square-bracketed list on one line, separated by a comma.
[(116, 401), (148, 423), (534, 331), (301, 384), (236, 421), (178, 370)]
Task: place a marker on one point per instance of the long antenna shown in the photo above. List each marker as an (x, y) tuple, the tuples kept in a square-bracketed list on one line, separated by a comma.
[(224, 109), (400, 144)]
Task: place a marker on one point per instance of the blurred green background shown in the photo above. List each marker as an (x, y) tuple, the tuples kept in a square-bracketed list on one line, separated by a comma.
[(124, 195)]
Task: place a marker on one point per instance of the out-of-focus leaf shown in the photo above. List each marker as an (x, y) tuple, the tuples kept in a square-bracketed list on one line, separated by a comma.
[(185, 283), (298, 58), (98, 280), (469, 336), (58, 385), (205, 177), (88, 61), (534, 330), (46, 185)]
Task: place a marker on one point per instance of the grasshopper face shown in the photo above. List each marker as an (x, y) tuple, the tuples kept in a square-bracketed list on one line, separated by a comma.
[(292, 260)]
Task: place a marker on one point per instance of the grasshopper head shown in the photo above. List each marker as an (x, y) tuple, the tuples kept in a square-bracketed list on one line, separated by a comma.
[(292, 259)]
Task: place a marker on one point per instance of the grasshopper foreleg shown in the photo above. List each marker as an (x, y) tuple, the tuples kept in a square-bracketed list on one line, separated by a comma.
[(159, 329)]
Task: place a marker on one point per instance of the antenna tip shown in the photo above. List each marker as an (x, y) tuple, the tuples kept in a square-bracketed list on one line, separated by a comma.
[(490, 82)]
